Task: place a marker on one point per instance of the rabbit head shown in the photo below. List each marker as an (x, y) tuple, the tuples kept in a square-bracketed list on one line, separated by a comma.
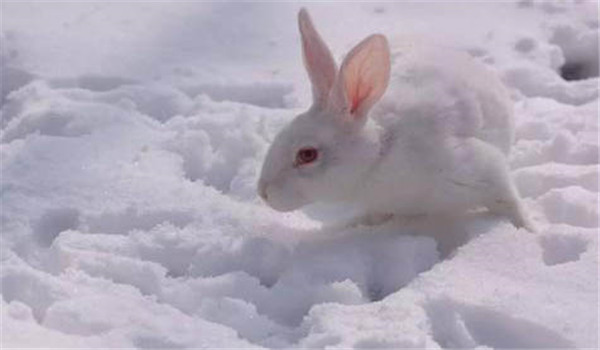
[(323, 154)]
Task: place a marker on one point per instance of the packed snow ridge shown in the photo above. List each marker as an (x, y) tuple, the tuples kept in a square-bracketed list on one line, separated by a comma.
[(132, 136)]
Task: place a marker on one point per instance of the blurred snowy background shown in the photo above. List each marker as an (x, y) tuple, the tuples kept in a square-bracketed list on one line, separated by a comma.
[(132, 134)]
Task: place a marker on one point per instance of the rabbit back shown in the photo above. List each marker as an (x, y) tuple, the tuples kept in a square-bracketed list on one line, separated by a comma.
[(440, 92)]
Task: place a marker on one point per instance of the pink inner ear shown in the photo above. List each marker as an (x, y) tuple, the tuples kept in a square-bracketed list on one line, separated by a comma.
[(358, 87), (359, 95), (364, 75)]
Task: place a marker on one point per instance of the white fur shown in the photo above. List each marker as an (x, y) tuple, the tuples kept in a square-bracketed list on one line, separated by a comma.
[(435, 143)]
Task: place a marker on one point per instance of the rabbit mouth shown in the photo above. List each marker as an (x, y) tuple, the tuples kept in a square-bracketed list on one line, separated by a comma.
[(280, 200), (283, 208), (284, 205)]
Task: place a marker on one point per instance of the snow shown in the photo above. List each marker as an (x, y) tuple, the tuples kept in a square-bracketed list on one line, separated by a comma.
[(132, 136)]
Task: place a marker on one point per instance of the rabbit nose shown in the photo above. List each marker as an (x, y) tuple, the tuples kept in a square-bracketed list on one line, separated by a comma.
[(262, 191)]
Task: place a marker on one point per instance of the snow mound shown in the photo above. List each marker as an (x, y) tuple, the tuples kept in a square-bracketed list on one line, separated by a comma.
[(131, 139)]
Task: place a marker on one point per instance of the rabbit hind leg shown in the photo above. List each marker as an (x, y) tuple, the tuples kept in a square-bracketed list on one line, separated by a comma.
[(509, 204)]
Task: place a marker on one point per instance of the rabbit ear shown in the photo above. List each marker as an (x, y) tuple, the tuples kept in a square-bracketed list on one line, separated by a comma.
[(317, 59), (363, 77)]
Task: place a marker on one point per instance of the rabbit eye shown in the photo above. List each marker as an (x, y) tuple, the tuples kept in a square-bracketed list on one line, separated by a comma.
[(306, 155)]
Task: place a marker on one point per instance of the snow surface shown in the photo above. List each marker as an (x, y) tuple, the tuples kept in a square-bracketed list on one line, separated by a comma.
[(132, 134)]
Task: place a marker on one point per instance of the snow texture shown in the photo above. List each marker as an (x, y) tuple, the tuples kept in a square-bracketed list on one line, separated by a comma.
[(132, 136)]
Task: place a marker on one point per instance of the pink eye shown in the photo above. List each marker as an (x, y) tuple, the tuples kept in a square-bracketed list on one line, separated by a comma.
[(306, 155)]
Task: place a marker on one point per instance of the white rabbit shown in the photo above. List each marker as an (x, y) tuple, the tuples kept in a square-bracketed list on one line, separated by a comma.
[(435, 143)]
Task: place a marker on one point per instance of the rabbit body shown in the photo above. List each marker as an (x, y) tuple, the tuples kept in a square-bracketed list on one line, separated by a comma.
[(444, 137), (449, 93), (432, 141)]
